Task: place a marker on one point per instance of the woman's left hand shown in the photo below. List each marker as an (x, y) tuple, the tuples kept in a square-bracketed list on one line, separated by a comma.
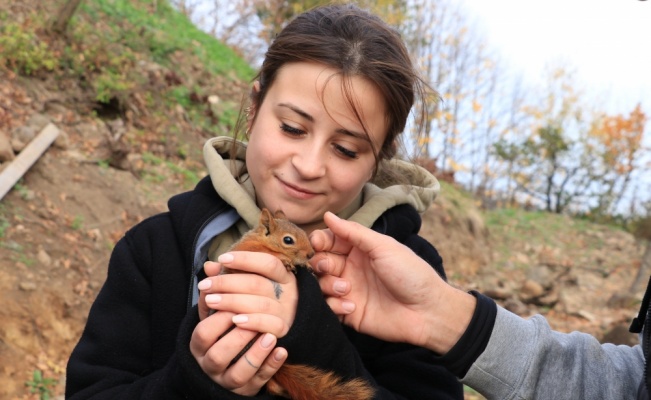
[(263, 300)]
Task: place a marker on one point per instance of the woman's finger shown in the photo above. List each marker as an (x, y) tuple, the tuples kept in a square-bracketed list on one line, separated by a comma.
[(255, 367), (222, 353), (243, 303), (263, 264), (261, 323), (238, 283), (272, 364), (207, 332)]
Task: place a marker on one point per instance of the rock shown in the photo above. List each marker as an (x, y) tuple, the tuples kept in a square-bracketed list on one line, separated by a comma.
[(43, 258), (62, 141), (38, 121), (497, 293), (6, 151), (24, 133), (27, 286), (530, 290), (619, 334)]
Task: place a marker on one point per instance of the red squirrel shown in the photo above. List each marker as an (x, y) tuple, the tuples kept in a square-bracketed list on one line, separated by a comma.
[(276, 235)]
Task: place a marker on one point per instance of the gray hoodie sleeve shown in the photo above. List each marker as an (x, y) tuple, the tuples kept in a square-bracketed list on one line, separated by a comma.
[(525, 359)]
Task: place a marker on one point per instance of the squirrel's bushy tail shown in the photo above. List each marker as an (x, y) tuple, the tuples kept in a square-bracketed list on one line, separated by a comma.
[(302, 382)]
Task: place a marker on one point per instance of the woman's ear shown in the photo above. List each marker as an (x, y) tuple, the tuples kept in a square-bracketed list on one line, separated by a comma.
[(251, 110)]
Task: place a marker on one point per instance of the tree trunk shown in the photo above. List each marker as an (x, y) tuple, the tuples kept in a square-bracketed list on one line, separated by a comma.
[(60, 23)]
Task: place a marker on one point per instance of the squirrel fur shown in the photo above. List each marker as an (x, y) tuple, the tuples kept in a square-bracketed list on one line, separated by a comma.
[(278, 236)]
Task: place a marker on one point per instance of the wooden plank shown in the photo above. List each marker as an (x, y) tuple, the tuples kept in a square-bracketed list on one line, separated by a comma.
[(26, 158)]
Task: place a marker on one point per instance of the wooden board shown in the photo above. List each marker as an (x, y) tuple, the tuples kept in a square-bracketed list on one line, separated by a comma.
[(26, 158)]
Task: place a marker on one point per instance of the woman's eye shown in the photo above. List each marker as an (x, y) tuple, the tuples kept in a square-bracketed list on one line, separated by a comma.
[(345, 152), (291, 130)]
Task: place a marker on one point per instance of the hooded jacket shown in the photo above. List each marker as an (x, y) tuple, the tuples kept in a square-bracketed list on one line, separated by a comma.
[(135, 343)]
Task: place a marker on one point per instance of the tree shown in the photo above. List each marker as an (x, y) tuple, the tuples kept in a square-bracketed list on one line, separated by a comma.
[(552, 165), (619, 140), (61, 21), (478, 102)]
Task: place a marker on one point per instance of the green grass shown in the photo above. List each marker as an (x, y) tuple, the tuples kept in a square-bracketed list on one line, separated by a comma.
[(165, 32)]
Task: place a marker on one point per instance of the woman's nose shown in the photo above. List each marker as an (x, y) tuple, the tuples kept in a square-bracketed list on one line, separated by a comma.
[(310, 164)]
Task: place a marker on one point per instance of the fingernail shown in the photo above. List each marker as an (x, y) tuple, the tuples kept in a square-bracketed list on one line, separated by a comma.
[(340, 287), (213, 298), (240, 319), (321, 266), (348, 306), (267, 340), (204, 284), (280, 354), (225, 258)]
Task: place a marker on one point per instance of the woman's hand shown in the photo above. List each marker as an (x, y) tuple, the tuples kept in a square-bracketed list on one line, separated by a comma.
[(261, 301), (214, 354), (266, 293), (382, 288)]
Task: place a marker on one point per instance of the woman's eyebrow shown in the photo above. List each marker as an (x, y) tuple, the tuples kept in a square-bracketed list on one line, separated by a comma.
[(310, 118), (297, 111)]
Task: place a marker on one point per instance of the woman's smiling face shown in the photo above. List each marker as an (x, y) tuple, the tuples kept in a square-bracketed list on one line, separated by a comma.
[(308, 152)]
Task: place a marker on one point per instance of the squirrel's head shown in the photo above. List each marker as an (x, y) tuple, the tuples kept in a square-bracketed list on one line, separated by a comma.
[(291, 239)]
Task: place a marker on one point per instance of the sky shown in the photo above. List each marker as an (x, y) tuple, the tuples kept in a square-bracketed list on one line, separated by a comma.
[(607, 42)]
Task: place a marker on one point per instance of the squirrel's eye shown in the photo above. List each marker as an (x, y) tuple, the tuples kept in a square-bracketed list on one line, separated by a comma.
[(288, 240)]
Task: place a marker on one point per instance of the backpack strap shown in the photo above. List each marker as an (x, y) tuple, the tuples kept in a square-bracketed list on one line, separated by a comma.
[(638, 322)]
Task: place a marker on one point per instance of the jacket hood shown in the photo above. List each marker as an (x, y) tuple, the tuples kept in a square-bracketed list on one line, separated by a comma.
[(378, 196)]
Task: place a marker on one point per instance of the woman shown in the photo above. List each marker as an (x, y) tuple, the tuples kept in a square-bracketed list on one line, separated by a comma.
[(332, 97)]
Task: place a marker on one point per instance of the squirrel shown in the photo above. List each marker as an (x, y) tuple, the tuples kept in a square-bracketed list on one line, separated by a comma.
[(278, 236)]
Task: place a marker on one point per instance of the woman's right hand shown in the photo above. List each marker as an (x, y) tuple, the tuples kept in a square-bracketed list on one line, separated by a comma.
[(248, 375)]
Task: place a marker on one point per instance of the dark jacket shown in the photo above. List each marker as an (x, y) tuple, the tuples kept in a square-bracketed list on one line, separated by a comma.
[(135, 344)]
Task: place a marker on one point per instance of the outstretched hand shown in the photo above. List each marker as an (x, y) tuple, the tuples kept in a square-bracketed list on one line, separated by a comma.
[(380, 287)]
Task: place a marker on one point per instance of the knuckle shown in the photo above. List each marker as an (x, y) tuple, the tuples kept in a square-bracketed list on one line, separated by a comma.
[(200, 334), (238, 379), (265, 305)]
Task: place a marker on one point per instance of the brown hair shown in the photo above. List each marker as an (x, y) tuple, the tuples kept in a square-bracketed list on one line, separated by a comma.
[(356, 43)]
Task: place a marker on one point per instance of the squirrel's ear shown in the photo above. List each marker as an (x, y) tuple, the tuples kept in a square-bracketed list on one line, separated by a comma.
[(266, 219), (280, 214)]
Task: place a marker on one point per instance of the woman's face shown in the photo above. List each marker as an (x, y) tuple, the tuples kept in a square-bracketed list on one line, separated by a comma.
[(307, 151)]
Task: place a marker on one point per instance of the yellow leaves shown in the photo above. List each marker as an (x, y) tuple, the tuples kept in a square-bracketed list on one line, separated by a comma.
[(424, 140), (476, 106), (620, 133), (621, 139), (456, 167)]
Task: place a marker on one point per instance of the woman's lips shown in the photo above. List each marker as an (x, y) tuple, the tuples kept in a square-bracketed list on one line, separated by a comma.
[(297, 192)]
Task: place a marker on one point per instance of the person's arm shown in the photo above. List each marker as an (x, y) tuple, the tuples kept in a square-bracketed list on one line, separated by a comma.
[(525, 358), (521, 359), (113, 358)]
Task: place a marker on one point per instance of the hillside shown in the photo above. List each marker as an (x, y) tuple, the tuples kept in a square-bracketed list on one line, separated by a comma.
[(133, 89)]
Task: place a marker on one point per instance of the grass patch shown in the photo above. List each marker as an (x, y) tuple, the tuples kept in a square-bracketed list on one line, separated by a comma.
[(166, 31)]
